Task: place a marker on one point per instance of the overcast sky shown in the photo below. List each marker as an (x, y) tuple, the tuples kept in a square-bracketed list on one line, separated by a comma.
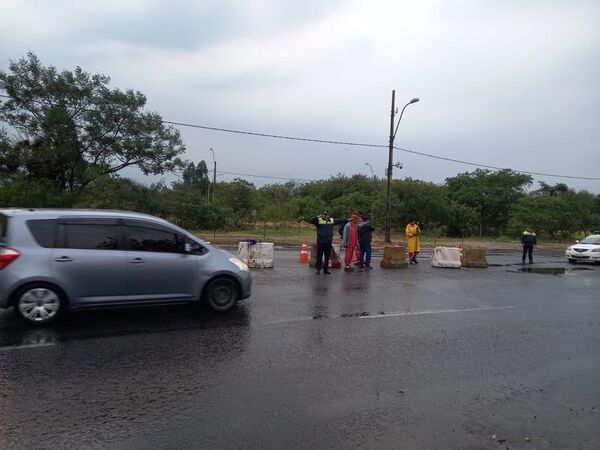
[(504, 83)]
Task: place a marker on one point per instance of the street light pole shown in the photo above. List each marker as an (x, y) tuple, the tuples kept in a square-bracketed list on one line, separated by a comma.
[(371, 167), (391, 162)]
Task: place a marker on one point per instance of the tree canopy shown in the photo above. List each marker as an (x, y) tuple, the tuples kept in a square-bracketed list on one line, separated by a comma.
[(490, 194), (71, 127)]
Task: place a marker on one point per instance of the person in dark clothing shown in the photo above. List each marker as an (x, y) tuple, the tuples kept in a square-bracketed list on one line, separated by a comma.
[(325, 226), (365, 236), (528, 239)]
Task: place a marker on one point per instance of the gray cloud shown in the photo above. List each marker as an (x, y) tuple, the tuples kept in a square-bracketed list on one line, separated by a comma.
[(502, 83)]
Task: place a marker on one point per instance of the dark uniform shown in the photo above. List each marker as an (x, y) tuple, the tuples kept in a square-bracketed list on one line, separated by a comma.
[(528, 239), (365, 236), (325, 227)]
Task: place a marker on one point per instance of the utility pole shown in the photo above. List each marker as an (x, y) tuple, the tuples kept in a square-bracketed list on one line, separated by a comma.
[(214, 174), (213, 192), (214, 179), (391, 162), (389, 170)]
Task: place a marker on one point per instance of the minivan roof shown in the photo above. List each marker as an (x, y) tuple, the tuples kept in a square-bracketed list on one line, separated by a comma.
[(62, 212)]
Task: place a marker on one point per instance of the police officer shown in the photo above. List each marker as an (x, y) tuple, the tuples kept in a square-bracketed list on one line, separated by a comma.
[(528, 239), (325, 226)]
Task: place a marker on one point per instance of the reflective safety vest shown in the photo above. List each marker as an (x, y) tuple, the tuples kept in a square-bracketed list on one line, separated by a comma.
[(324, 229), (529, 238)]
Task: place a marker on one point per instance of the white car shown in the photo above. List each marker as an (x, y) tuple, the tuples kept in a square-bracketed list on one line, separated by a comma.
[(587, 249)]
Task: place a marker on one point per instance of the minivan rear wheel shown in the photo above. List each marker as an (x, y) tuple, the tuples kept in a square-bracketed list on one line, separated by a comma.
[(39, 303), (221, 294)]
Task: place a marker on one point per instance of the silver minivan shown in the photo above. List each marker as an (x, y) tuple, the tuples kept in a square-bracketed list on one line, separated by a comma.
[(52, 260)]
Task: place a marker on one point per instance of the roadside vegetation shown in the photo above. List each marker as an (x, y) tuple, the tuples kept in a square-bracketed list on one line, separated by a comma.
[(68, 136)]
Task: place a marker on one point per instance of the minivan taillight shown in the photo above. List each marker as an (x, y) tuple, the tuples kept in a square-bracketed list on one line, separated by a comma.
[(7, 255)]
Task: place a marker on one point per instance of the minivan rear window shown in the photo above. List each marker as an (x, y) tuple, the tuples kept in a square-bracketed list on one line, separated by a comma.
[(43, 231)]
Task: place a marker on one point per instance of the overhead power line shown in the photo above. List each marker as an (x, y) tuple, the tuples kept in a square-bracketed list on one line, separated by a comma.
[(358, 144), (263, 176), (495, 167), (276, 136)]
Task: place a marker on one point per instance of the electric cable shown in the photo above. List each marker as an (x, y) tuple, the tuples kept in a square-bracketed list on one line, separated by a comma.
[(359, 144)]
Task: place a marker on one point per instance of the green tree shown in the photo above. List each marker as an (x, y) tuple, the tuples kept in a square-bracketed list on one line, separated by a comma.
[(19, 192), (548, 215), (74, 128), (121, 193), (196, 177), (490, 194), (549, 190), (556, 210), (423, 201), (272, 201), (239, 197)]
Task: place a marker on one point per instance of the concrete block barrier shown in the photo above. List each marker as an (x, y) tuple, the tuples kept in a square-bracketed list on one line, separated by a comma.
[(394, 257), (474, 257), (449, 257), (259, 255)]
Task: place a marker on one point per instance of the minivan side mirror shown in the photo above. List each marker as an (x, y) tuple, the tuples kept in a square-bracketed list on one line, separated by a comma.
[(193, 248)]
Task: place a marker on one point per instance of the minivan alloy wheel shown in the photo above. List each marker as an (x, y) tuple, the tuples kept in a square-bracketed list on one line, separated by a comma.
[(221, 294), (38, 304)]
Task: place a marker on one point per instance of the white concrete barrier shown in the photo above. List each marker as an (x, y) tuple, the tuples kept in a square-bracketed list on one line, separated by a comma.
[(446, 257), (256, 255)]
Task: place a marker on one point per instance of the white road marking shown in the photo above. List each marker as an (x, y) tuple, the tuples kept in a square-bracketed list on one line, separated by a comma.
[(438, 311), (18, 347), (390, 314)]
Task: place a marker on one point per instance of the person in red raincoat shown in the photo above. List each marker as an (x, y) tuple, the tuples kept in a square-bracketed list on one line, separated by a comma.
[(350, 242)]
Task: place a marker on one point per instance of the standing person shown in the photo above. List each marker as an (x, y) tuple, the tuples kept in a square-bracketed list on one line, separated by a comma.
[(325, 226), (365, 236), (413, 242), (350, 241), (528, 239)]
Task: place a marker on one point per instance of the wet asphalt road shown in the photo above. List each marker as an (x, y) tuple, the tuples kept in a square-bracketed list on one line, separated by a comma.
[(415, 358)]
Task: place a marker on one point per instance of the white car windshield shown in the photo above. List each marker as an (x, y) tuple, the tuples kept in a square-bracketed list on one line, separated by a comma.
[(592, 240)]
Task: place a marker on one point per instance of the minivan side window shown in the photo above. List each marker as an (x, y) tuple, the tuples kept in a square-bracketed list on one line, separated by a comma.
[(91, 236), (43, 231), (149, 239)]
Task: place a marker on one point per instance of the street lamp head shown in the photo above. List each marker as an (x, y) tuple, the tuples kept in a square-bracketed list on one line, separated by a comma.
[(414, 100)]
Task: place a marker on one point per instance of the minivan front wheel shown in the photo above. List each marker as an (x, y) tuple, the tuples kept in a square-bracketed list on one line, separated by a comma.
[(221, 294), (39, 303)]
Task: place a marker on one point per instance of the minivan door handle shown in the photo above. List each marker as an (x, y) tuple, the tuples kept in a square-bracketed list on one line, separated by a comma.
[(136, 260), (63, 259)]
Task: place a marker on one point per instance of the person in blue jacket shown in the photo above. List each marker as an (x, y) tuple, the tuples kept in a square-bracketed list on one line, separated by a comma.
[(325, 227)]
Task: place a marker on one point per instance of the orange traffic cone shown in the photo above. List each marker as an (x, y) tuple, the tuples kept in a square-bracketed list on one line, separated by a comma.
[(304, 253)]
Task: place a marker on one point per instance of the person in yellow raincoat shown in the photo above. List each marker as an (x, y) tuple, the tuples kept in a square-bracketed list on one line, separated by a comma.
[(413, 243)]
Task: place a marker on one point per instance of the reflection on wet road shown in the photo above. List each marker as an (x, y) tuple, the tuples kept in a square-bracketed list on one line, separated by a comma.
[(417, 358)]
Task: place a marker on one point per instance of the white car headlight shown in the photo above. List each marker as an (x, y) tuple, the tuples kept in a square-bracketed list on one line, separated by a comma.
[(596, 250), (240, 264)]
